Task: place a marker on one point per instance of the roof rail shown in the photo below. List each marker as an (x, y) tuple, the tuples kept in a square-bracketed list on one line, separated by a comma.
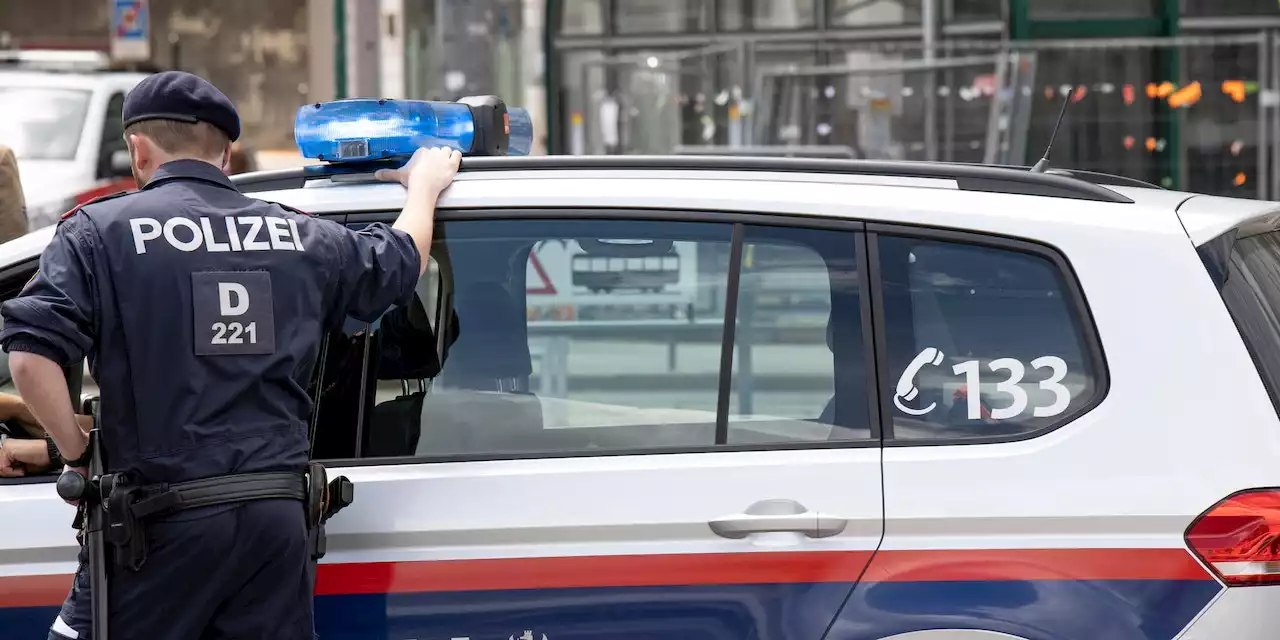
[(1105, 179), (968, 177), (774, 151)]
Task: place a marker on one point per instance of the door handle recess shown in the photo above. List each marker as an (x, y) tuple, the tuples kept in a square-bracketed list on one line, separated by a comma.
[(774, 516)]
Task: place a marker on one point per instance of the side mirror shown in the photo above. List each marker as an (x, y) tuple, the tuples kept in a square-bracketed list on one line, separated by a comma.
[(120, 165)]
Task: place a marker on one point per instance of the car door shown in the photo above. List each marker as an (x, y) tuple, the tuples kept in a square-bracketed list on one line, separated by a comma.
[(1004, 513), (606, 425)]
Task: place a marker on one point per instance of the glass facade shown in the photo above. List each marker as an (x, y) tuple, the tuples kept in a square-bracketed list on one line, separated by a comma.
[(865, 13), (1075, 9), (661, 16), (582, 17), (652, 76), (1213, 8)]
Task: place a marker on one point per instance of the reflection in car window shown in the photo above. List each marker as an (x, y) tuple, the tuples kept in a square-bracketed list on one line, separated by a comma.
[(1248, 276), (799, 370), (42, 123), (983, 342), (585, 335)]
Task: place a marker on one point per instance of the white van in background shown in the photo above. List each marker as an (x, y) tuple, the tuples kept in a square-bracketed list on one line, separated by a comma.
[(60, 113)]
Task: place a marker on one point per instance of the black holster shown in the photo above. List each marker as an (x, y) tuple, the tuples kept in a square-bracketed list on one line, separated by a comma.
[(324, 500), (125, 531)]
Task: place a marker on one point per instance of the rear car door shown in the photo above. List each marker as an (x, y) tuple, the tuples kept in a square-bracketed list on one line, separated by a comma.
[(606, 424), (1006, 510)]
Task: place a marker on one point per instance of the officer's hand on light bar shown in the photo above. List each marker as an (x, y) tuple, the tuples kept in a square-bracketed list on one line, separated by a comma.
[(428, 172)]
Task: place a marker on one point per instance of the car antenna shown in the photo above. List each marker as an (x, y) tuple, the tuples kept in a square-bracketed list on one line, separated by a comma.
[(1043, 164)]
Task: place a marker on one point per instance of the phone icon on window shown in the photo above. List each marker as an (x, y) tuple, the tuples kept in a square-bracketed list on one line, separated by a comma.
[(906, 390)]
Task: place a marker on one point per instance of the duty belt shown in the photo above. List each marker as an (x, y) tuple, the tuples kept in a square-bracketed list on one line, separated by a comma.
[(128, 507), (167, 498)]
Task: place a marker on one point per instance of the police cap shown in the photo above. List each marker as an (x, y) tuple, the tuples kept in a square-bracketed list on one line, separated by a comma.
[(181, 96)]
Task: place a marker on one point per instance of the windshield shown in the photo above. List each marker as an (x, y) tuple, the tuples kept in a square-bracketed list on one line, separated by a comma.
[(41, 123)]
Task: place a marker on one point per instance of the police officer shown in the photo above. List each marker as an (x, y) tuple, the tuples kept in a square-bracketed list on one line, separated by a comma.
[(201, 312)]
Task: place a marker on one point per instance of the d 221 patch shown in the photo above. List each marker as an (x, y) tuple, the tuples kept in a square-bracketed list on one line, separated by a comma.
[(233, 312)]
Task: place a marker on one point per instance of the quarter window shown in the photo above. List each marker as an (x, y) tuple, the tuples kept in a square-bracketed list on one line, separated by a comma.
[(983, 342)]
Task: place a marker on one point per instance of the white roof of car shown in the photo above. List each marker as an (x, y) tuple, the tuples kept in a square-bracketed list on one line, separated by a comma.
[(937, 201), (1203, 217)]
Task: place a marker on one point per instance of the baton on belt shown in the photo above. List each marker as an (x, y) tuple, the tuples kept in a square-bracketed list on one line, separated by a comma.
[(72, 486)]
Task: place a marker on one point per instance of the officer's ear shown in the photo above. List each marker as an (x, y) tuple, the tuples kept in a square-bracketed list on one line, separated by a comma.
[(226, 159), (140, 149)]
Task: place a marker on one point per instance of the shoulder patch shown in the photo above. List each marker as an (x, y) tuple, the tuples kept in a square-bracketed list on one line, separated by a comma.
[(77, 208), (289, 208)]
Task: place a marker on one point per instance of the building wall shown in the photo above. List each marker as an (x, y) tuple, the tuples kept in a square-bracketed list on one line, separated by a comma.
[(63, 24), (255, 51)]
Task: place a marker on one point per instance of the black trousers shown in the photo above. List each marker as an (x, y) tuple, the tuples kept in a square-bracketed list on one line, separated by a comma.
[(220, 573)]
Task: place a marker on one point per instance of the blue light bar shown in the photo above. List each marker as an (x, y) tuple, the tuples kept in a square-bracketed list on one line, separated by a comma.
[(363, 129)]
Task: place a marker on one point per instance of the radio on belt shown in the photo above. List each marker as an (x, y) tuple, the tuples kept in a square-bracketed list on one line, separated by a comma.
[(365, 129)]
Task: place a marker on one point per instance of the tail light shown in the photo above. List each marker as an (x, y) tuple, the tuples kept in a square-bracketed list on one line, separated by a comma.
[(1239, 538)]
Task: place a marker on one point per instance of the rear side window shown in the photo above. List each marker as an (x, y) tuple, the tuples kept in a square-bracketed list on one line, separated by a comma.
[(1246, 268), (983, 342)]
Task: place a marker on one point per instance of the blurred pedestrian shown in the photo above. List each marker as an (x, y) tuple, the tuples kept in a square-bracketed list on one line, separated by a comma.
[(241, 160), (13, 206)]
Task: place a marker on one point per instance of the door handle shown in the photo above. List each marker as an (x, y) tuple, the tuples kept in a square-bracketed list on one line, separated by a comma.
[(775, 516)]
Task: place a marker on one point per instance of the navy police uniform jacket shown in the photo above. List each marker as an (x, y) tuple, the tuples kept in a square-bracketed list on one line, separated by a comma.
[(201, 312)]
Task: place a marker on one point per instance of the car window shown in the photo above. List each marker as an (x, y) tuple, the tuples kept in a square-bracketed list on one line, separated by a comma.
[(11, 284), (582, 336), (983, 342), (112, 133), (43, 123), (1246, 268), (798, 367)]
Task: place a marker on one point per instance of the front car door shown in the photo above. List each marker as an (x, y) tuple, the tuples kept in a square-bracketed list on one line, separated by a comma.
[(595, 424)]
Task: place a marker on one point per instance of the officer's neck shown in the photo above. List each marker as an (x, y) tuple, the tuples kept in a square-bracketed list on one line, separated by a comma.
[(144, 178)]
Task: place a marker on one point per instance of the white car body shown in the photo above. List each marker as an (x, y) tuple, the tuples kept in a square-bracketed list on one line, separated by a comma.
[(1075, 531)]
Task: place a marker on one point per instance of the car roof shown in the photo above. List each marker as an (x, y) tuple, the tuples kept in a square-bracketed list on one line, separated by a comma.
[(334, 188), (828, 188), (764, 185)]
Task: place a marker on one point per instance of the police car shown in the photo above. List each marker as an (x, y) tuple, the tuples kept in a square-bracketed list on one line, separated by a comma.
[(1009, 404), (61, 116)]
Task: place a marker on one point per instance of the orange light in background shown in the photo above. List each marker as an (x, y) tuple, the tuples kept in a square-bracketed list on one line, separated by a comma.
[(1152, 90), (1128, 93), (1186, 96), (1151, 144), (1161, 90), (1129, 142), (1079, 93), (1235, 89), (1240, 179), (1048, 93)]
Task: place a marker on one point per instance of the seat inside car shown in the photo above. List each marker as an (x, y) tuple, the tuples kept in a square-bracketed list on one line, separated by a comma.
[(848, 410), (481, 399), (405, 345)]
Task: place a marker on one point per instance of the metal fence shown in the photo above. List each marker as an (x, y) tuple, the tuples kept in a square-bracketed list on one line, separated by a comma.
[(1196, 112)]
